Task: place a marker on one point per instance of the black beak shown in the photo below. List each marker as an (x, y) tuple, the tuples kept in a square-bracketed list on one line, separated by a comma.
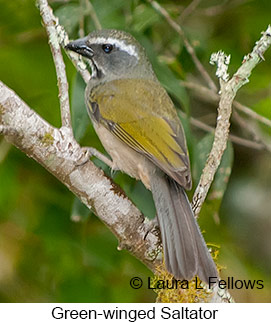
[(81, 47)]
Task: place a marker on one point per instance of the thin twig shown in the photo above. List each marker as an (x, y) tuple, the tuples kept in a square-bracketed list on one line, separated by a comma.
[(87, 9), (251, 130), (81, 31), (228, 91), (212, 96), (247, 143), (251, 113), (187, 45), (63, 40), (235, 139), (222, 7), (189, 9), (50, 22), (93, 14)]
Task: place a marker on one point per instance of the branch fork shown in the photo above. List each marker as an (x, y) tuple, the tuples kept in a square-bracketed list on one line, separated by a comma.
[(228, 90)]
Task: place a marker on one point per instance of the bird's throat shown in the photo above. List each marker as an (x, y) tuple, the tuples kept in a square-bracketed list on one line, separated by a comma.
[(96, 72)]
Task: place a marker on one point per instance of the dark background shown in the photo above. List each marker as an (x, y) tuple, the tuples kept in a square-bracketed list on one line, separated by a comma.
[(46, 256)]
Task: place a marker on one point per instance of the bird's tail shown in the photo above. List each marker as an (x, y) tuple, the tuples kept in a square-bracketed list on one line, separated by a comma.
[(185, 250)]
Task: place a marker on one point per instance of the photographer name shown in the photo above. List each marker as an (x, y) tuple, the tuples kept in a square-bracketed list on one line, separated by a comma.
[(229, 283)]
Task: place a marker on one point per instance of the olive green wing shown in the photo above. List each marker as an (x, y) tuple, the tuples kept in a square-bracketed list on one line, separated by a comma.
[(141, 114)]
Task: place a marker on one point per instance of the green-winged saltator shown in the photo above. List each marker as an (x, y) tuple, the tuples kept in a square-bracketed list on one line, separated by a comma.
[(138, 126)]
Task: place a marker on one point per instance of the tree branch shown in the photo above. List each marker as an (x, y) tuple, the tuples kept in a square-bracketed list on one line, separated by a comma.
[(58, 36), (50, 21), (60, 154), (228, 90), (57, 151)]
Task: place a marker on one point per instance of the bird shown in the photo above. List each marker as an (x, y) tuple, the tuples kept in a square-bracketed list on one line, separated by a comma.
[(138, 125)]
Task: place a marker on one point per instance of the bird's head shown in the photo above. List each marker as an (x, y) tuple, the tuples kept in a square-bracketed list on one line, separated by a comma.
[(113, 54)]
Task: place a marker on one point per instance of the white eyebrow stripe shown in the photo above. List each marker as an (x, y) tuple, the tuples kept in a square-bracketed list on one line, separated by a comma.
[(130, 49)]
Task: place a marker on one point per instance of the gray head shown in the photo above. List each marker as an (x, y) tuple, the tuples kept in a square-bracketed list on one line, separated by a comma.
[(113, 54)]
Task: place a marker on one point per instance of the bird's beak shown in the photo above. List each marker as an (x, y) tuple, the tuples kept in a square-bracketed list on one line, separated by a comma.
[(81, 47)]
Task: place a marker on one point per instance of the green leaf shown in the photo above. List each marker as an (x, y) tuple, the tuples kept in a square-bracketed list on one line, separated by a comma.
[(80, 119), (201, 151), (110, 14), (262, 107), (143, 18)]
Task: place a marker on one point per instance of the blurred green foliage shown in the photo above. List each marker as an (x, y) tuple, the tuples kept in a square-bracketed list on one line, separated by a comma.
[(51, 248)]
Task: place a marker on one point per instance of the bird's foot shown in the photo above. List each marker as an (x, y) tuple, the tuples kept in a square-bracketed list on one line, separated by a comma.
[(88, 152), (151, 226)]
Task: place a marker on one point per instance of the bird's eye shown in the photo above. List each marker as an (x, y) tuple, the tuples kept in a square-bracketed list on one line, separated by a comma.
[(107, 48)]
